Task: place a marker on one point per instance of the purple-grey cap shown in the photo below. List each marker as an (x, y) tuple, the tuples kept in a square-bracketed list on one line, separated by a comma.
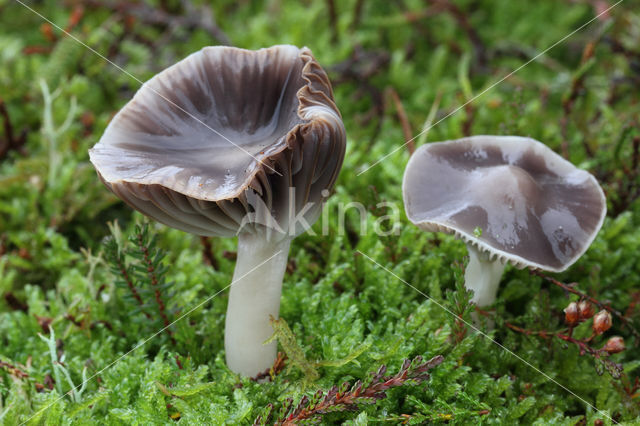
[(511, 197), (202, 141)]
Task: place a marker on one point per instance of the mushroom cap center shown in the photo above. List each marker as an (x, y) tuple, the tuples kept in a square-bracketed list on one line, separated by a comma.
[(514, 186)]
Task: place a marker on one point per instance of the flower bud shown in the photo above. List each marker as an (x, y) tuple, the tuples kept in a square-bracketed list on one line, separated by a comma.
[(571, 314), (601, 322), (614, 345), (585, 309)]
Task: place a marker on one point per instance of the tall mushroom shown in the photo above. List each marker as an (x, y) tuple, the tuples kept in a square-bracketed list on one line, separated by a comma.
[(232, 142), (510, 199)]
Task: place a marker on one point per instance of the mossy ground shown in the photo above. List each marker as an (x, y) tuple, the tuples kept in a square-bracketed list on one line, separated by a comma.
[(581, 98)]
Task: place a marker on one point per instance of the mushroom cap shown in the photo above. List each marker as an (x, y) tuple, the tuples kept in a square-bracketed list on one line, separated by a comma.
[(511, 197), (221, 136)]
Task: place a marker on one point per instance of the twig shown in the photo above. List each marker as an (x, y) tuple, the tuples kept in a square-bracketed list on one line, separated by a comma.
[(127, 279), (13, 370), (614, 369), (596, 302), (470, 115), (359, 68), (333, 20), (200, 17), (154, 282), (617, 47), (15, 303), (584, 347), (74, 19), (274, 370), (635, 301), (357, 14), (479, 49), (404, 120), (347, 397), (207, 253), (577, 86), (361, 65)]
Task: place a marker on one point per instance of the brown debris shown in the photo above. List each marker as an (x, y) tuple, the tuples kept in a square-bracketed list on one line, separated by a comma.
[(274, 370), (404, 120), (207, 253), (15, 303)]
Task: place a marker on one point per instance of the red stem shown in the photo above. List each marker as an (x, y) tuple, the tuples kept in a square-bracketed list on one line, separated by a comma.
[(154, 282), (626, 322)]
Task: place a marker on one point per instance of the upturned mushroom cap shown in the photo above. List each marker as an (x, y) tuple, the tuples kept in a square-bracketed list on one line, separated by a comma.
[(221, 136), (511, 197)]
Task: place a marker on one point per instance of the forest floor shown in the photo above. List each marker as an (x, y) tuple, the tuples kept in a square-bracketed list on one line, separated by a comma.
[(77, 347)]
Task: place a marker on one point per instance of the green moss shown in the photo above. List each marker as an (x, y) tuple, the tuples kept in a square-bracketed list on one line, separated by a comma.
[(346, 315)]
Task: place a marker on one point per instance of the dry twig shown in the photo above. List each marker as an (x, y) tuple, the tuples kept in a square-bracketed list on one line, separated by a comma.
[(404, 120)]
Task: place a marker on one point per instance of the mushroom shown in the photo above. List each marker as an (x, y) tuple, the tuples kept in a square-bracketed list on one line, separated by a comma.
[(232, 142), (510, 199)]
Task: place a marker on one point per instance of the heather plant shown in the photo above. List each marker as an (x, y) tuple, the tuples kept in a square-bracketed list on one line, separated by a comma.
[(104, 318)]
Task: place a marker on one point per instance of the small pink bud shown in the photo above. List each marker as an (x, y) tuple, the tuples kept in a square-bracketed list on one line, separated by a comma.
[(571, 314), (614, 345), (601, 322)]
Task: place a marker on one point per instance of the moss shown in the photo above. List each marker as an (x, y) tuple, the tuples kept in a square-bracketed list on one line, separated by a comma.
[(56, 269)]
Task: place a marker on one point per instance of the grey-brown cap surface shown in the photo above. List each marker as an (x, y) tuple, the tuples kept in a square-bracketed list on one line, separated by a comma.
[(510, 197), (206, 138)]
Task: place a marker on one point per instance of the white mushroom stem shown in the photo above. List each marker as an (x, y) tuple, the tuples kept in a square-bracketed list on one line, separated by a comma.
[(482, 276), (253, 297)]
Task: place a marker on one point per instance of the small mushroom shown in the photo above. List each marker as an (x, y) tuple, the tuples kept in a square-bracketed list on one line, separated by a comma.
[(232, 142), (510, 199)]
